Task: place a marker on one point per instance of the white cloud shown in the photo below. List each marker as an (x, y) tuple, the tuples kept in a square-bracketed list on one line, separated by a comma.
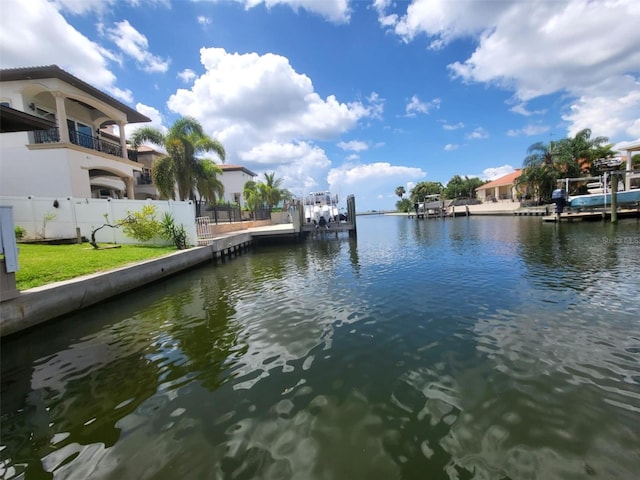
[(540, 48), (477, 134), (354, 145), (100, 7), (529, 130), (82, 7), (203, 20), (336, 11), (37, 34), (442, 20), (353, 157), (609, 108), (372, 181), (493, 173), (299, 164), (255, 104), (353, 174), (521, 109), (157, 121), (417, 106), (136, 45), (454, 126), (449, 147), (187, 75)]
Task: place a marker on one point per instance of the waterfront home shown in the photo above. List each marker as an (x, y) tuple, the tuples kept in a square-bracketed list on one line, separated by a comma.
[(233, 178), (502, 189), (79, 156)]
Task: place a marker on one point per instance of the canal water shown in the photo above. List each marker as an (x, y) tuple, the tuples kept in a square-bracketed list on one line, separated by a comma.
[(484, 348)]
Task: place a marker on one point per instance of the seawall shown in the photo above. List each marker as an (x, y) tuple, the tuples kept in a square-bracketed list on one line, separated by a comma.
[(37, 305)]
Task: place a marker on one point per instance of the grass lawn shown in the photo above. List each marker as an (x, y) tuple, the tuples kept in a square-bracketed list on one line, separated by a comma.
[(44, 264)]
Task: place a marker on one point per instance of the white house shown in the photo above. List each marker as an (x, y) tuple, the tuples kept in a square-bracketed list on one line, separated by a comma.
[(75, 158), (233, 178)]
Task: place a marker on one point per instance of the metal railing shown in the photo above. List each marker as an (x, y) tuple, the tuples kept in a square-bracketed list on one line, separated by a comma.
[(228, 213), (144, 179), (84, 140)]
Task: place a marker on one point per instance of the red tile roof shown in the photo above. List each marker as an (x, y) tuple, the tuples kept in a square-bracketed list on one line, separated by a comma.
[(508, 179)]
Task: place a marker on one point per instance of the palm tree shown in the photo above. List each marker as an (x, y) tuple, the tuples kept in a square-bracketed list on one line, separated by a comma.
[(540, 171), (400, 191), (184, 141), (251, 196), (208, 184), (270, 191), (581, 152)]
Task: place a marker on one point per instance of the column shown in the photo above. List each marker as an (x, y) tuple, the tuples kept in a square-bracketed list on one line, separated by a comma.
[(61, 116), (123, 141), (129, 182)]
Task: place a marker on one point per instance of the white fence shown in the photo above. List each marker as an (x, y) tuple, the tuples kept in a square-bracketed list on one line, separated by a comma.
[(56, 218)]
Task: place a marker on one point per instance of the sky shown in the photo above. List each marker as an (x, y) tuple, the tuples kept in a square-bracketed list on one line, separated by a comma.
[(356, 97)]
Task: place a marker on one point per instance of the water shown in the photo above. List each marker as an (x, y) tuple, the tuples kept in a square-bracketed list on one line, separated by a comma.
[(485, 348)]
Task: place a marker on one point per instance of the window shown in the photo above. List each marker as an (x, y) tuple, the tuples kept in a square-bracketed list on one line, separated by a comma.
[(80, 134)]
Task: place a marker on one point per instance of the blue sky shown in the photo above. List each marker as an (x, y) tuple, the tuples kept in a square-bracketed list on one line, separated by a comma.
[(354, 96)]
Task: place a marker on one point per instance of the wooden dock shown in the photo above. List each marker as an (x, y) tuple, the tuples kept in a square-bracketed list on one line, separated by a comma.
[(591, 215)]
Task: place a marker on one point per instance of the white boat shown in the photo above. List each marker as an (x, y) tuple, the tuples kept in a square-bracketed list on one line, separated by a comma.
[(321, 208), (591, 200)]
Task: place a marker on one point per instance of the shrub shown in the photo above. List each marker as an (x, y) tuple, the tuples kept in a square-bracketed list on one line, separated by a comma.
[(20, 232), (176, 233), (142, 225)]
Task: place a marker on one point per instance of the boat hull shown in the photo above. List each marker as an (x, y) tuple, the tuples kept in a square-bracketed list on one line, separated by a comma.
[(601, 199)]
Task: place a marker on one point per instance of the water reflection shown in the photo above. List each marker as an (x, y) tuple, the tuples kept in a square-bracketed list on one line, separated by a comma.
[(466, 348)]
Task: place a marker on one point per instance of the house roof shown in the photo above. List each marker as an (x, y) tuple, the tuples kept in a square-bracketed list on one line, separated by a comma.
[(508, 179), (12, 120), (53, 71), (236, 168)]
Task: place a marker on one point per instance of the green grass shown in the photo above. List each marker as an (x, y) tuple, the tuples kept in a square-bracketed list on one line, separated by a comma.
[(43, 264)]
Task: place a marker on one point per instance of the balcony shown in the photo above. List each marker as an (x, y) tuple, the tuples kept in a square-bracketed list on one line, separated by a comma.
[(144, 179), (87, 141)]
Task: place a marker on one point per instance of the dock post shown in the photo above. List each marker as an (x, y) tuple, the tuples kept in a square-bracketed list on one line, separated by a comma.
[(614, 198), (351, 215)]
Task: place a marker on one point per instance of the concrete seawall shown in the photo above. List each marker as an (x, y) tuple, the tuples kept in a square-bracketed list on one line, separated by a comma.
[(37, 305)]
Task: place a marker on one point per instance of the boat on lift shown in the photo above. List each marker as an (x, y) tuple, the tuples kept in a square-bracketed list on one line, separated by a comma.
[(321, 208)]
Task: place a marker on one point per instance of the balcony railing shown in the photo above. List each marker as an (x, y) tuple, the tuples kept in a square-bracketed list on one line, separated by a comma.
[(144, 179), (87, 141)]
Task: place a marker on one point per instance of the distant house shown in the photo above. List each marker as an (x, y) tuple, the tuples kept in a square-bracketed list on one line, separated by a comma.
[(233, 178), (76, 157), (145, 188), (500, 189)]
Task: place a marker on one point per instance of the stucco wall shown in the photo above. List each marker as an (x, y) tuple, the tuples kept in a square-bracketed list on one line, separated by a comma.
[(34, 172), (89, 213)]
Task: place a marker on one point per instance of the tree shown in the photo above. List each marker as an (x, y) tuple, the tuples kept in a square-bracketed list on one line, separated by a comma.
[(422, 189), (251, 195), (455, 187), (270, 191), (208, 184), (580, 153), (400, 191), (459, 187), (566, 158), (404, 205), (184, 141)]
